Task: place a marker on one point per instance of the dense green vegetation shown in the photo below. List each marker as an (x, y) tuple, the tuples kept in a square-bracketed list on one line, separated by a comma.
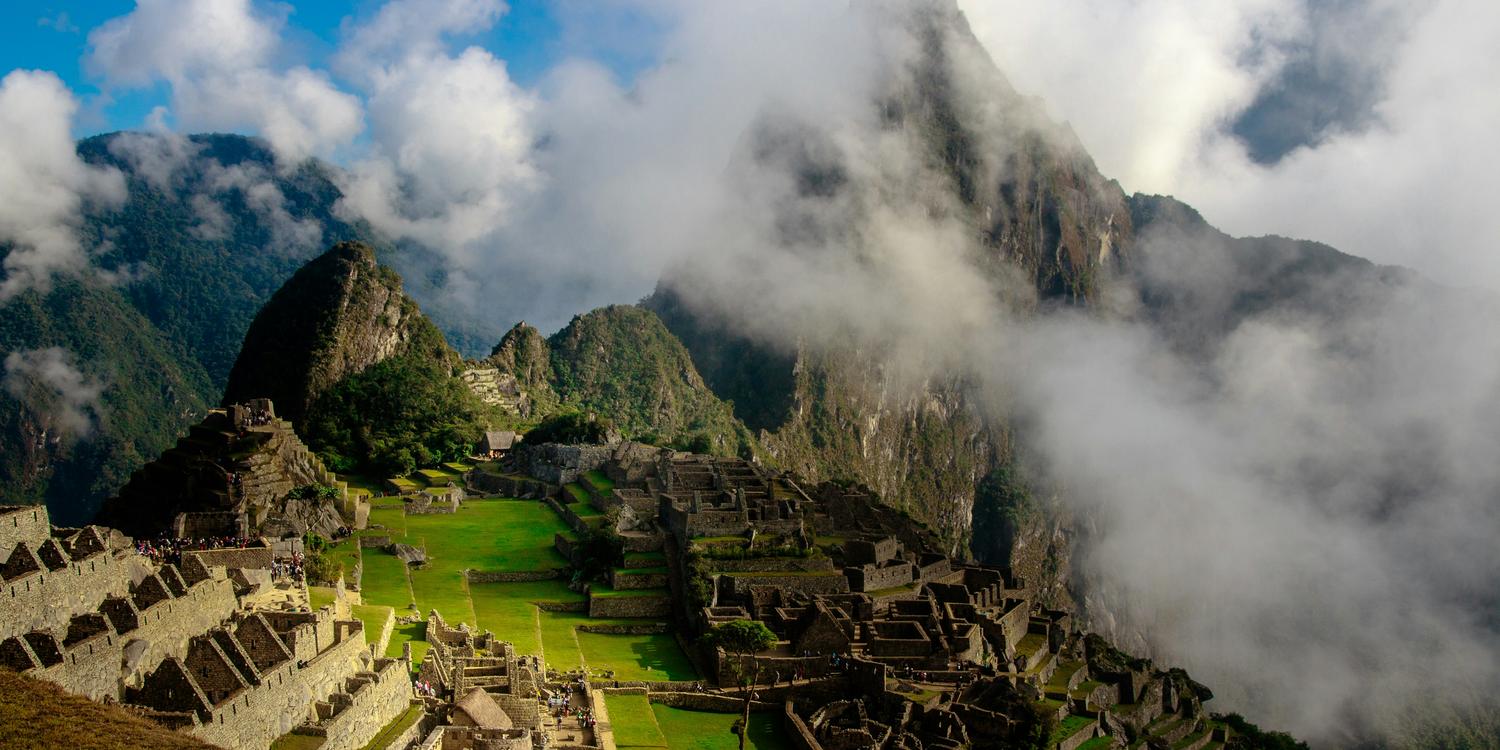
[(621, 361), (1247, 736), (1002, 504), (397, 415), (146, 388)]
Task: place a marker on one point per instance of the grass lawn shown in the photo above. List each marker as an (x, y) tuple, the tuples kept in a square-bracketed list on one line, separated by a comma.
[(390, 518), (405, 485), (585, 511), (443, 589), (634, 722), (503, 535), (1070, 726), (458, 467), (601, 483), (603, 591), (391, 731), (637, 657), (489, 535), (1098, 743), (298, 742), (373, 616), (579, 494), (508, 609), (414, 633), (436, 477), (700, 730), (384, 581), (319, 596)]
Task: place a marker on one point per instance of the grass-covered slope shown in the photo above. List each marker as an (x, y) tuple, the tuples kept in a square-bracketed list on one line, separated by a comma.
[(37, 715)]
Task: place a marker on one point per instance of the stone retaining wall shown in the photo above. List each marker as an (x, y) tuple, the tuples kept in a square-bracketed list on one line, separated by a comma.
[(625, 581), (830, 584), (246, 557), (511, 576), (797, 732), (641, 629), (629, 606), (373, 705), (710, 702), (563, 606), (772, 565)]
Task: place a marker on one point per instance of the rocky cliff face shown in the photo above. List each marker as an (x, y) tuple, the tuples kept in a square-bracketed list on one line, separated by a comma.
[(524, 355), (337, 316), (622, 363)]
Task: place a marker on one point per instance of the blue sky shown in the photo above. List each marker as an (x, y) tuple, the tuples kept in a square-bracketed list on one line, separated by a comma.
[(532, 37)]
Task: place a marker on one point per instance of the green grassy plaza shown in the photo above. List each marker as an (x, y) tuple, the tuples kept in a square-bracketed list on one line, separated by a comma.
[(496, 535), (639, 724)]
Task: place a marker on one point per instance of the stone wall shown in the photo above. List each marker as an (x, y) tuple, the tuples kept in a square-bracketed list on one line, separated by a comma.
[(740, 583), (645, 628), (46, 598), (565, 546), (371, 706), (511, 576), (629, 606), (773, 565), (625, 580), (561, 464), (799, 736), (247, 557), (257, 716), (506, 486), (875, 578), (723, 704), (23, 523)]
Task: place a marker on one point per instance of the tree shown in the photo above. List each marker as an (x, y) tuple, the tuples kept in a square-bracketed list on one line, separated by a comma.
[(741, 638)]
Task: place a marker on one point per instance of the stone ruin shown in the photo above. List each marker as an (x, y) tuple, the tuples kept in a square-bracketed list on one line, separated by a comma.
[(184, 646), (896, 644), (233, 474)]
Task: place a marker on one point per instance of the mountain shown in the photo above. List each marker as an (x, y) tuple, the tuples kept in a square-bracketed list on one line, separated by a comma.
[(335, 317), (212, 226), (352, 362)]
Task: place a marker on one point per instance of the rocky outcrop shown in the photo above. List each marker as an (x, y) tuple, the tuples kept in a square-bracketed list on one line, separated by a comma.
[(236, 472), (337, 316)]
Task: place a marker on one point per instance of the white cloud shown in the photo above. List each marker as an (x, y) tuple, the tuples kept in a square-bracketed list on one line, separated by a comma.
[(221, 59), (49, 383), (1152, 88), (450, 150), (44, 186), (411, 29)]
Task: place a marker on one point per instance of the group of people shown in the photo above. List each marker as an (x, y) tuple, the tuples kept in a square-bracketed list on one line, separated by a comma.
[(168, 550), (288, 567), (258, 418), (425, 689)]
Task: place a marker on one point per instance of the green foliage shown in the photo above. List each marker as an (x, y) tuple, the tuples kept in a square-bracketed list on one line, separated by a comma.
[(571, 427), (318, 564), (149, 391), (1003, 503), (313, 492), (740, 637), (396, 416), (621, 361), (1247, 736)]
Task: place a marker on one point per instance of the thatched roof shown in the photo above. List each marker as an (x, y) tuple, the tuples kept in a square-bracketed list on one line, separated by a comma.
[(499, 440), (483, 710)]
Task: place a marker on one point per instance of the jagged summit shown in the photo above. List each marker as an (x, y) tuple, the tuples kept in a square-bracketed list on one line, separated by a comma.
[(339, 314)]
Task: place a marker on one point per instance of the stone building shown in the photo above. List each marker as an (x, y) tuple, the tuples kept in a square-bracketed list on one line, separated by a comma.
[(179, 646)]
